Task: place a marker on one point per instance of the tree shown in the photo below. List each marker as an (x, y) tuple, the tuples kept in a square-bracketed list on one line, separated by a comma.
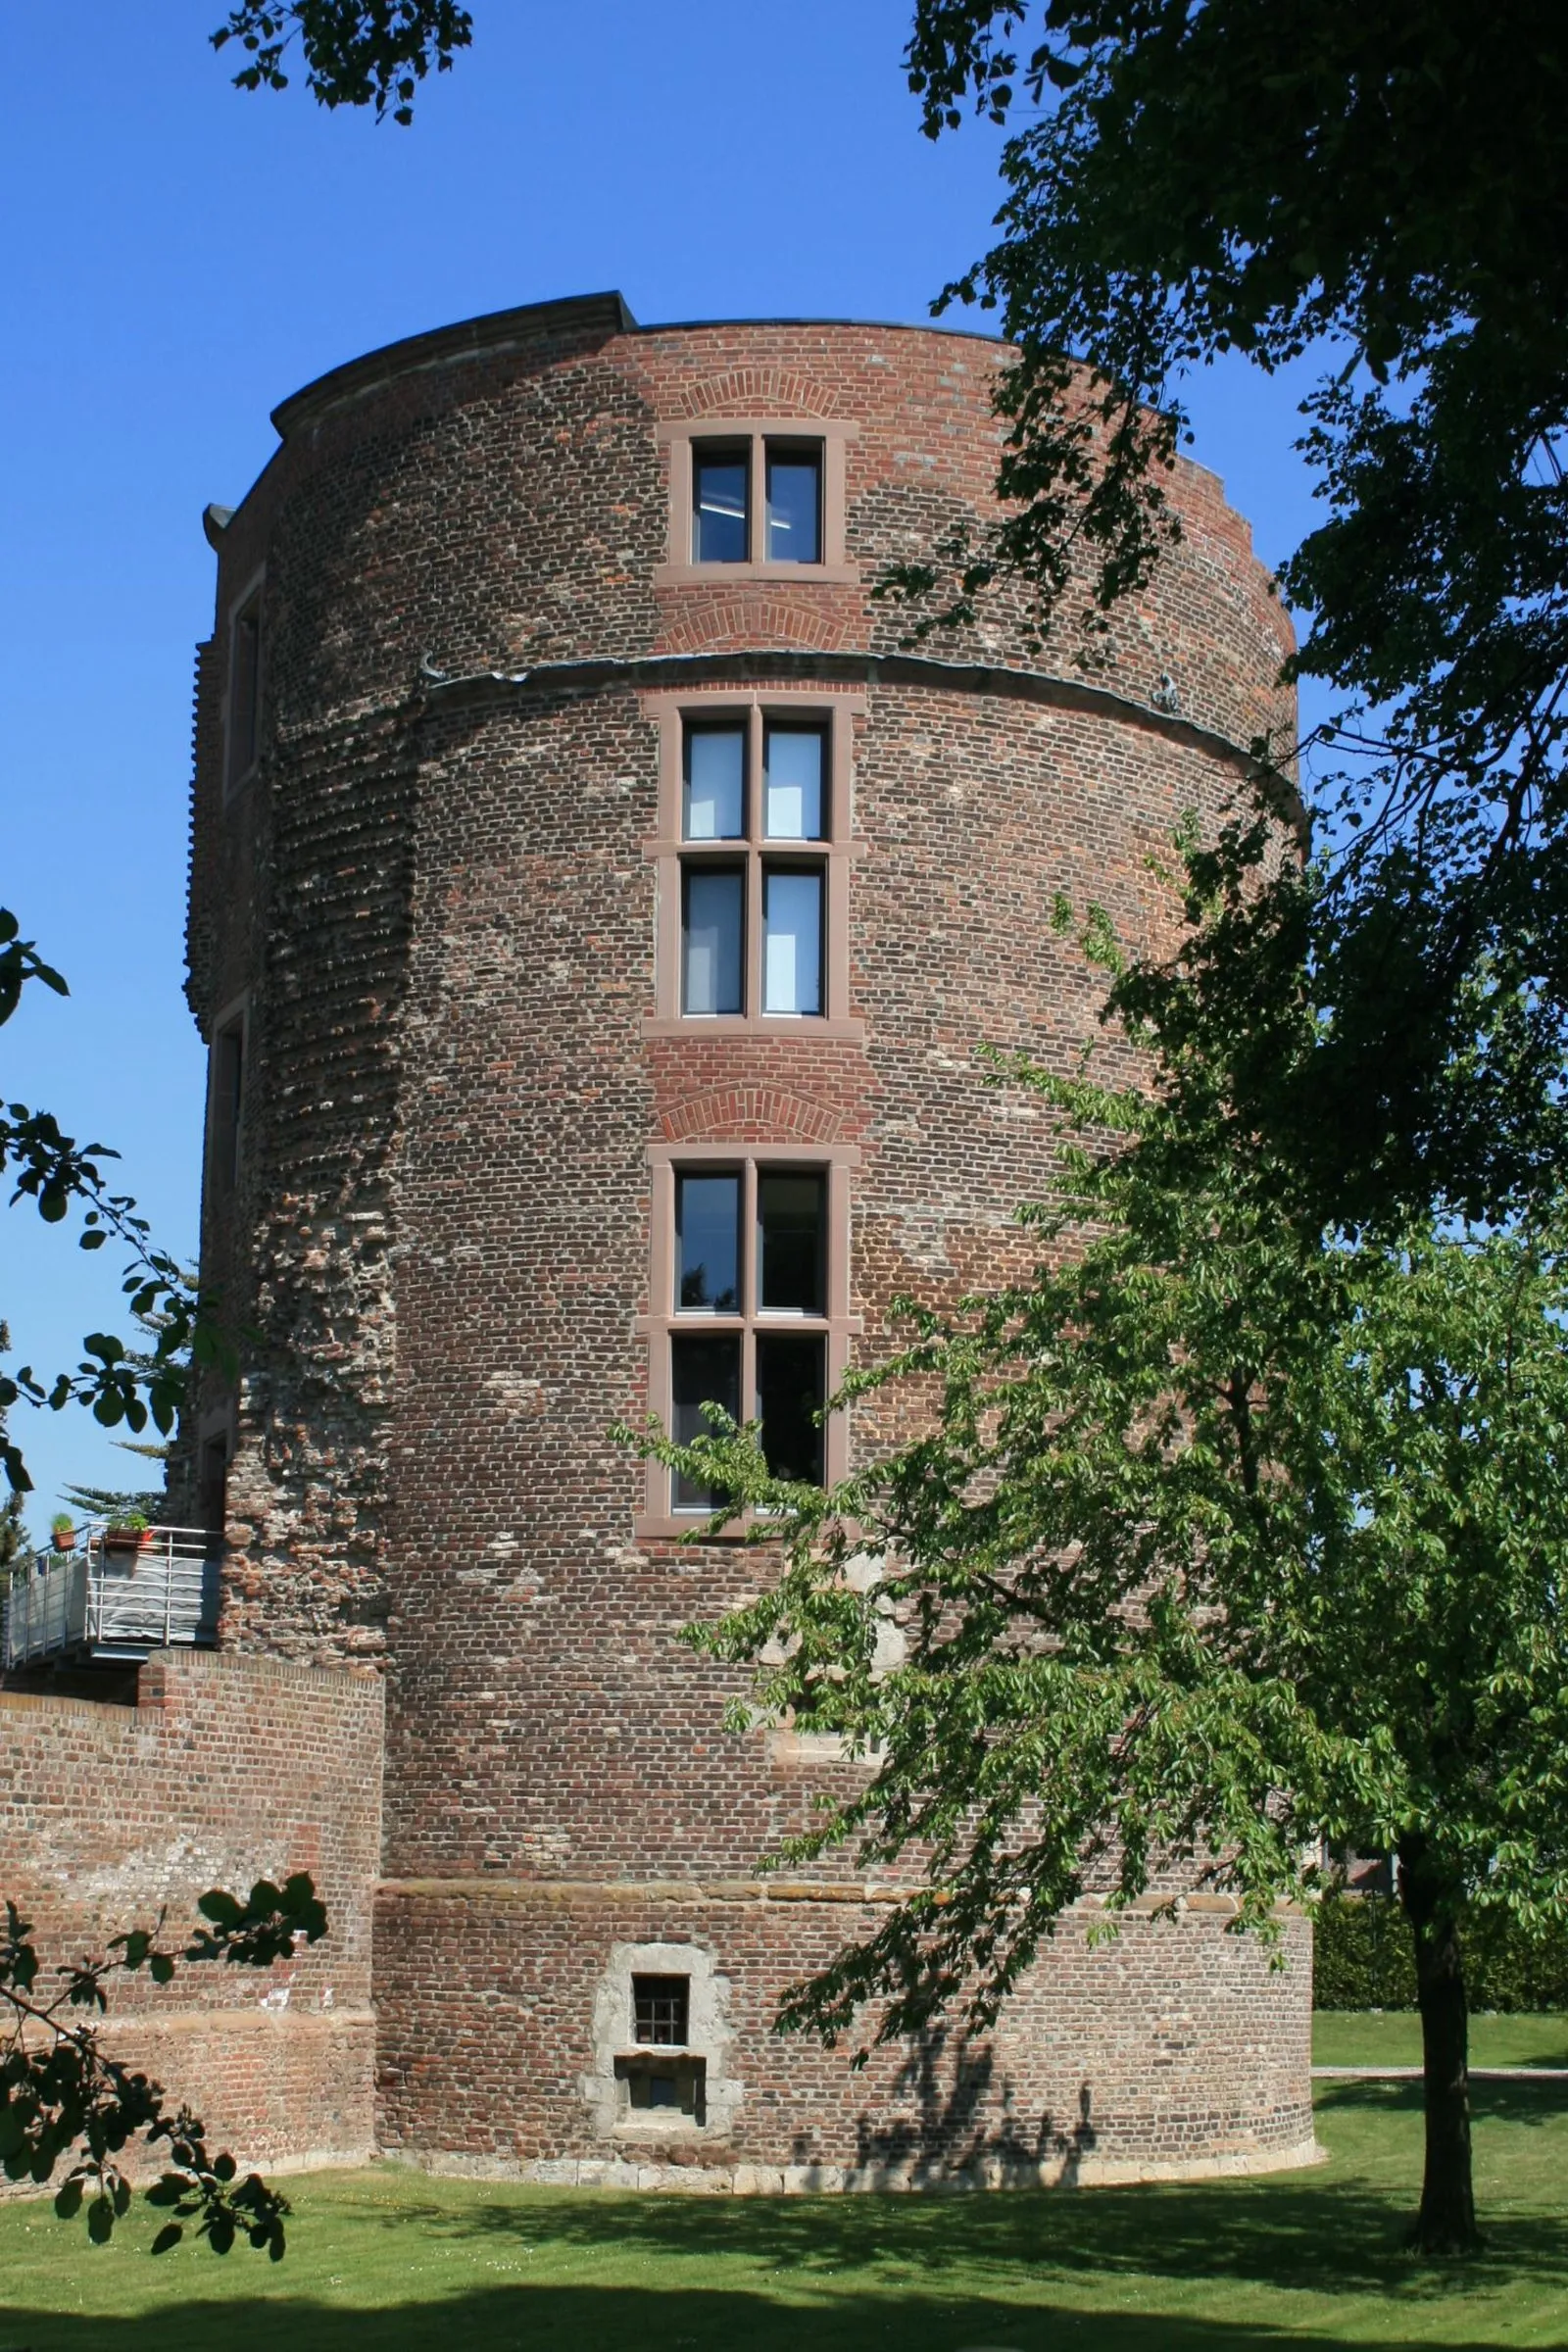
[(1231, 1533), (65, 2102), (356, 52), (49, 1168), (1384, 188)]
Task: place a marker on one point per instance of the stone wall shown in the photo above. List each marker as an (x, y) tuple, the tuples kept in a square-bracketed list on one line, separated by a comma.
[(228, 1769)]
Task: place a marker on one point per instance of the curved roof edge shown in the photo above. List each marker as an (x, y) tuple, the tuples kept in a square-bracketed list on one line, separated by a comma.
[(605, 315)]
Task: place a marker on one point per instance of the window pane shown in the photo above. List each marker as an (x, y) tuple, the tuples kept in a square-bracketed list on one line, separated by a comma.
[(794, 501), (792, 940), (713, 792), (789, 1391), (707, 1227), (659, 2008), (792, 792), (705, 1371), (791, 1223), (718, 525), (710, 942)]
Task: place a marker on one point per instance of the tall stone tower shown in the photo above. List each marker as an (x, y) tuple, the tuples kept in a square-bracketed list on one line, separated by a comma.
[(595, 911)]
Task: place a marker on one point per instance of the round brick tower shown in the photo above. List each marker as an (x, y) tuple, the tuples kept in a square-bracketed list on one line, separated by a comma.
[(595, 911)]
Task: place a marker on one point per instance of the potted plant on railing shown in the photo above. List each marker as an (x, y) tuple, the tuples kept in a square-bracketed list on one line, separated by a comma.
[(62, 1531), (131, 1533)]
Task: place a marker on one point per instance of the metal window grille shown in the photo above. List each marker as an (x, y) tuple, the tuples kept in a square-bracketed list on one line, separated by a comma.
[(660, 2007)]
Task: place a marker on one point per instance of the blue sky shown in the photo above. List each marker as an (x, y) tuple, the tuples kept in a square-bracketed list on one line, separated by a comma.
[(181, 255)]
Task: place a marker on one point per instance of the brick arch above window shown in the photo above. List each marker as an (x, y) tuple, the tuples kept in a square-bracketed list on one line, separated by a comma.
[(757, 390), (752, 1114)]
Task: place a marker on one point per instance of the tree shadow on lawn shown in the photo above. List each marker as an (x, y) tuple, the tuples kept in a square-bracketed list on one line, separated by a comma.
[(1305, 2231), (586, 2318)]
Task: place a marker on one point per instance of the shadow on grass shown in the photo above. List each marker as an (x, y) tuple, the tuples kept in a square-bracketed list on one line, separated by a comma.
[(508, 2319), (1307, 2230)]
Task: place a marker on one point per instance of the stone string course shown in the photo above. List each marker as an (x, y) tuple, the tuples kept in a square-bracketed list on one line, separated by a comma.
[(438, 905)]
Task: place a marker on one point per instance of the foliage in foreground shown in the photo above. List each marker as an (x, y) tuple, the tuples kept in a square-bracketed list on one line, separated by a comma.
[(64, 2101), (1378, 190), (1230, 1534)]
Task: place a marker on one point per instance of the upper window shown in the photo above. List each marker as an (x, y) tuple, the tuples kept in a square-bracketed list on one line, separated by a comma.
[(739, 485), (242, 732), (751, 893), (757, 499)]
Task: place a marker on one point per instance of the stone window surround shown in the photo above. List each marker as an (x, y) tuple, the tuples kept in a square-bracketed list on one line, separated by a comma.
[(831, 433), (235, 782), (711, 2040), (657, 1521), (234, 1016), (753, 706)]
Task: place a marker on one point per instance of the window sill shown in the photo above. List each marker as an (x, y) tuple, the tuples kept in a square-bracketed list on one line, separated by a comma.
[(723, 575), (800, 1028)]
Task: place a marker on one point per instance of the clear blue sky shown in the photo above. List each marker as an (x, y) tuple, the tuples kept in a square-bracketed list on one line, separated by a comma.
[(181, 255)]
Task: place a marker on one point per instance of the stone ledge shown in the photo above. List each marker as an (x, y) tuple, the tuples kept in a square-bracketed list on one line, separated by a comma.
[(1067, 2170)]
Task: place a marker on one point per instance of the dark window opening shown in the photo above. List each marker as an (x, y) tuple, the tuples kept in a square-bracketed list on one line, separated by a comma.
[(790, 1392), (212, 1484), (229, 1087), (244, 690), (661, 2010), (720, 516), (793, 503), (678, 2084), (702, 1371), (791, 1241)]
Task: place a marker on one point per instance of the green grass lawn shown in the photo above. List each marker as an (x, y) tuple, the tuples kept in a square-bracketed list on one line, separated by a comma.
[(390, 2260), (1393, 2037)]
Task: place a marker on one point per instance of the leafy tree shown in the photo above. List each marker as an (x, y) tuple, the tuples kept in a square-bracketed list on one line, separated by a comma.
[(356, 52), (65, 2102), (1383, 188), (1231, 1533), (119, 1385)]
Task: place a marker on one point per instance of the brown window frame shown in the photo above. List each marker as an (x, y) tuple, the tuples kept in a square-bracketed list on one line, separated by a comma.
[(755, 708), (837, 1325), (830, 434), (242, 711)]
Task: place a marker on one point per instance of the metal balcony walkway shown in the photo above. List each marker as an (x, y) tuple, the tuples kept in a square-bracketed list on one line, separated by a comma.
[(113, 1602)]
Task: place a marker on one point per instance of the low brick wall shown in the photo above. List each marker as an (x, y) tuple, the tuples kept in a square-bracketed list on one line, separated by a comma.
[(228, 1769), (1171, 2051)]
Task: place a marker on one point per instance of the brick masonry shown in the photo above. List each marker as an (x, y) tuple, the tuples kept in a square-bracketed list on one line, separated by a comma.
[(436, 899), (228, 1770)]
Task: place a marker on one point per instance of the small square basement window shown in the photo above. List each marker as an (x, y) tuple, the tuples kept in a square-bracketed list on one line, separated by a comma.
[(661, 2011)]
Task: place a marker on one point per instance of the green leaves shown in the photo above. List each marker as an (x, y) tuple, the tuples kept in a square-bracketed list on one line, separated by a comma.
[(1381, 189), (63, 2097), (356, 52)]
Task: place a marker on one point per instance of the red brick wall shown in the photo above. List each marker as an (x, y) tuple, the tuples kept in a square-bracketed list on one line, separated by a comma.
[(439, 900), (229, 1770), (1160, 2051)]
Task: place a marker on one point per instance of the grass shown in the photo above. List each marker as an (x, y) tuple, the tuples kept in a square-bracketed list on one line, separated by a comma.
[(390, 2261), (1393, 2037)]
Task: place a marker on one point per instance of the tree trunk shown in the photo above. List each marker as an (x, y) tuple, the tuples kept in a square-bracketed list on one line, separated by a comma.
[(1447, 2222)]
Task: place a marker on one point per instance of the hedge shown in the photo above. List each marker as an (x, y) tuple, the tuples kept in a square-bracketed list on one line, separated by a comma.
[(1363, 1959)]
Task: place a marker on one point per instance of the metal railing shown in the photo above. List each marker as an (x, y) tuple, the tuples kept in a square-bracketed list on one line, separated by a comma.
[(107, 1601)]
